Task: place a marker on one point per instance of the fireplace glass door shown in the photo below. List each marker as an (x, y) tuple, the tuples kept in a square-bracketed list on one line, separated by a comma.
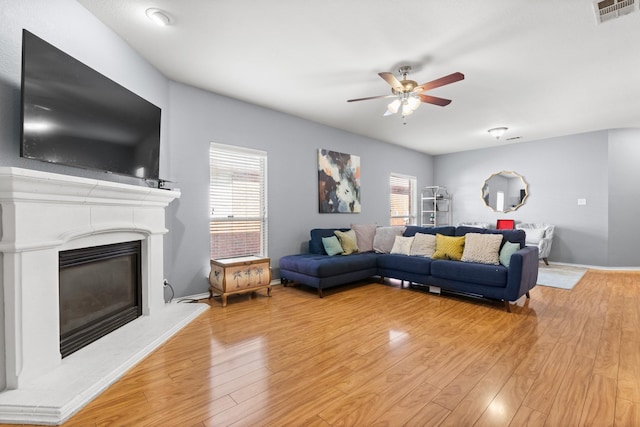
[(100, 291)]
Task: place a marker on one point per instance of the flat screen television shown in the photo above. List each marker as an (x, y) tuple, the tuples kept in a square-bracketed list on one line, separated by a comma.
[(75, 116)]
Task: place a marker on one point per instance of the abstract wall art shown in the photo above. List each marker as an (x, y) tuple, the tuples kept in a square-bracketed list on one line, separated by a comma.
[(338, 182)]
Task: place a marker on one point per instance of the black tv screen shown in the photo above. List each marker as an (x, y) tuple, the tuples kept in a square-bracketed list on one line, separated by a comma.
[(75, 116)]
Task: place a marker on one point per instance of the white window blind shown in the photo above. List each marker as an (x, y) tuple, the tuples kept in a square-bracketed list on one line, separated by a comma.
[(402, 199), (238, 201)]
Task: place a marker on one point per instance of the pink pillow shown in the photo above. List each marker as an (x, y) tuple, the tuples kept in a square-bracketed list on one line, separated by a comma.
[(364, 236)]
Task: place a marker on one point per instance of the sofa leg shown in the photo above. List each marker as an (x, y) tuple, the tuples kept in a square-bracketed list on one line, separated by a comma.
[(507, 306), (527, 294), (320, 292), (546, 261)]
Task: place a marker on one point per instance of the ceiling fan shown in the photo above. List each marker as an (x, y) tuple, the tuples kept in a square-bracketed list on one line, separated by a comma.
[(408, 94)]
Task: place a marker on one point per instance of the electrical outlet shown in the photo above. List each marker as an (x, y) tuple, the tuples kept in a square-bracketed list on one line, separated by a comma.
[(582, 202)]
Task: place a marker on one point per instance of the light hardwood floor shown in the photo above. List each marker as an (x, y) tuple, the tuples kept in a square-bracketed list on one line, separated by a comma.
[(375, 354)]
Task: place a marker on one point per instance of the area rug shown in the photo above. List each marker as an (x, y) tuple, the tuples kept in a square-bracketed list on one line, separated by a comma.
[(560, 276)]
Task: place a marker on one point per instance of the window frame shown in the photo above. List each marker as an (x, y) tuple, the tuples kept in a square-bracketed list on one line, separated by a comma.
[(412, 217), (255, 161)]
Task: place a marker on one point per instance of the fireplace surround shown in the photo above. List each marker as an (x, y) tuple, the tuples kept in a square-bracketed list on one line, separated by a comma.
[(41, 215)]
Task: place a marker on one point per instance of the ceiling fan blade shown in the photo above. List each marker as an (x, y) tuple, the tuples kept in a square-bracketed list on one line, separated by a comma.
[(451, 78), (434, 100), (371, 97), (392, 80)]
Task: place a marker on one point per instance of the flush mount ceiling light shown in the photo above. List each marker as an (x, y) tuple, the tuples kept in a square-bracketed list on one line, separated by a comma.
[(497, 132), (159, 17)]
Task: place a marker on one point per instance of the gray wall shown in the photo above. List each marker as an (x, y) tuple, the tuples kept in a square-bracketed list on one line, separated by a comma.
[(624, 197), (198, 118), (559, 171)]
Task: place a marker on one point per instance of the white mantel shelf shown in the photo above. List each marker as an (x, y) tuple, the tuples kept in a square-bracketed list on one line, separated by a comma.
[(42, 214), (55, 195), (27, 184)]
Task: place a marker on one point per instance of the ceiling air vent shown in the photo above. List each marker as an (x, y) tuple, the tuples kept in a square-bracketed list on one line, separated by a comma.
[(607, 10)]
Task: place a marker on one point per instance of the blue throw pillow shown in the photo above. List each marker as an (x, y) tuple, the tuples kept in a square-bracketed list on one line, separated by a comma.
[(507, 250), (332, 245)]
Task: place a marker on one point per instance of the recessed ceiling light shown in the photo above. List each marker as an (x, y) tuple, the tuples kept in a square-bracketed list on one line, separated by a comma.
[(497, 132), (159, 17)]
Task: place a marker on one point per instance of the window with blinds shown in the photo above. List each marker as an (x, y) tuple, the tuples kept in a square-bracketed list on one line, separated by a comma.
[(238, 201), (402, 199)]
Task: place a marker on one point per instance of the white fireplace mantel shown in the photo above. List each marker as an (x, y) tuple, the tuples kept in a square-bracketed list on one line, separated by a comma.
[(42, 214)]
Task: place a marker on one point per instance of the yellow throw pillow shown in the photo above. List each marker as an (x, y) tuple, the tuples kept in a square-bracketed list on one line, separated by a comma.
[(348, 241), (449, 247)]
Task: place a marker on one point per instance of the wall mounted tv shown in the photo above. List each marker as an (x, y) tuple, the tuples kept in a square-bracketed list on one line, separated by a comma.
[(75, 116)]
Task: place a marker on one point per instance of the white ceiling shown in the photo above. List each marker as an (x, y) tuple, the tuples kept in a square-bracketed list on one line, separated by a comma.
[(542, 68)]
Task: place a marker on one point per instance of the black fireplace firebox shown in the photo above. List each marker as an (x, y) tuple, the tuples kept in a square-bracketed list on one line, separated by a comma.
[(100, 291)]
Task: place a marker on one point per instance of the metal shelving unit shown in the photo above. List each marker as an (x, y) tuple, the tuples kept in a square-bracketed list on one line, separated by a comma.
[(435, 206)]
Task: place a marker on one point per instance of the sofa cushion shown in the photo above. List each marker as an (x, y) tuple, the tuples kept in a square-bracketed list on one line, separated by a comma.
[(423, 245), (514, 236), (402, 245), (331, 245), (364, 236), (315, 244), (482, 248), (482, 274), (385, 238), (507, 250), (534, 235), (325, 266), (446, 230), (347, 241), (409, 264), (448, 247)]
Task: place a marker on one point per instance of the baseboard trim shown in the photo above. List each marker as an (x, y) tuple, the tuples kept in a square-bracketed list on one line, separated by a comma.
[(205, 295), (596, 267)]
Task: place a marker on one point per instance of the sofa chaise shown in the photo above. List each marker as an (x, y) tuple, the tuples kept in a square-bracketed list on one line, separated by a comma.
[(506, 281)]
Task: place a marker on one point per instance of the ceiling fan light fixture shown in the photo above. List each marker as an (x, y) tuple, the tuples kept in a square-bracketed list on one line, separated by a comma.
[(394, 106), (408, 94), (406, 109), (497, 132), (413, 102)]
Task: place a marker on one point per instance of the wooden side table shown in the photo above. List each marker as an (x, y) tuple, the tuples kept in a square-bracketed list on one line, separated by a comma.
[(239, 275)]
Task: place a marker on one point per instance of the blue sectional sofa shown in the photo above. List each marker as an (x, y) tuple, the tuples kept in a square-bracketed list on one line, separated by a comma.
[(498, 282)]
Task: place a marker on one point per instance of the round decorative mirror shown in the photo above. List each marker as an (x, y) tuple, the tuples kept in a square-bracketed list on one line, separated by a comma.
[(505, 191)]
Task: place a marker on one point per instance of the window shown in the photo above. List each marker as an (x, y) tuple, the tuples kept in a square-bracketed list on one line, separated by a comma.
[(402, 199), (238, 201), (500, 201)]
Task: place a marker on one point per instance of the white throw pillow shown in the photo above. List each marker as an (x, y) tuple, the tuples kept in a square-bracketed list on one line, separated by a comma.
[(423, 245), (534, 236), (402, 245)]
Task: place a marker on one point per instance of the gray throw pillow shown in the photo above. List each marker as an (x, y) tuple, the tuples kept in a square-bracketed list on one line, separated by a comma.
[(385, 238)]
